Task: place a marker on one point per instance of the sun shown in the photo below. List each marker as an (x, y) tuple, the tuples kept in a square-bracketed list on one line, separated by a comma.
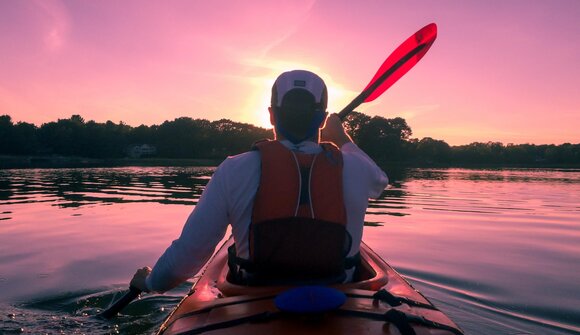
[(257, 102)]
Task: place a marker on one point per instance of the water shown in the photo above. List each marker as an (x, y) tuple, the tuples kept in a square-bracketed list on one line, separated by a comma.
[(497, 250)]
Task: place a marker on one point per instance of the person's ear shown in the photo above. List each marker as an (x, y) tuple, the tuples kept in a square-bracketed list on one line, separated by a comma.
[(271, 110), (323, 123)]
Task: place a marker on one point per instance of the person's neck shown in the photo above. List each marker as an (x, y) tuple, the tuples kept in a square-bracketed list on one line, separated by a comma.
[(280, 137)]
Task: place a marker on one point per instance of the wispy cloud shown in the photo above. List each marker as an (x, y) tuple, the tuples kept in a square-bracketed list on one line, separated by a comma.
[(414, 111), (58, 23)]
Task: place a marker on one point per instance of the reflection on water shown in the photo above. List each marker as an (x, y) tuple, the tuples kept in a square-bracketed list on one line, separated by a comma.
[(498, 250), (82, 187)]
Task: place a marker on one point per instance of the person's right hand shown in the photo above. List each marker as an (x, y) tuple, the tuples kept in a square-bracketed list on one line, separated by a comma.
[(139, 278), (334, 132)]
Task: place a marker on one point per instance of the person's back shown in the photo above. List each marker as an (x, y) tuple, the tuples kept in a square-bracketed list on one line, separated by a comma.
[(296, 208)]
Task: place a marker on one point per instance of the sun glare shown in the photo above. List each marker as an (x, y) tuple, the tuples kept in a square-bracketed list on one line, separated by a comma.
[(262, 112), (256, 109), (257, 103), (338, 97)]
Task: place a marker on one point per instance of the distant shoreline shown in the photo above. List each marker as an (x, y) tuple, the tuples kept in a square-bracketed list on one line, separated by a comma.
[(57, 162)]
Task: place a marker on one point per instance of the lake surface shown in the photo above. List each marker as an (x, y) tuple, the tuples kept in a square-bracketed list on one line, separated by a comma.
[(497, 250)]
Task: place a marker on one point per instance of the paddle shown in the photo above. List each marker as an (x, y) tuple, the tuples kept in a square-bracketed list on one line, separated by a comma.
[(110, 312), (395, 66)]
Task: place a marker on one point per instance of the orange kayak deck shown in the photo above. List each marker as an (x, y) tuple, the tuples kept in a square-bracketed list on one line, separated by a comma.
[(379, 302)]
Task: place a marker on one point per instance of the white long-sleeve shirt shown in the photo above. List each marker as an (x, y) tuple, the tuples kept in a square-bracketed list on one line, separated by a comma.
[(229, 197)]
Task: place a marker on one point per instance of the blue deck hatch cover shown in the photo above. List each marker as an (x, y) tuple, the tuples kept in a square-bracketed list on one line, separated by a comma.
[(310, 299)]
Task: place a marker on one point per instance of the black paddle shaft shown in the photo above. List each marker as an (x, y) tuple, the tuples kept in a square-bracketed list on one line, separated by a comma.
[(112, 311)]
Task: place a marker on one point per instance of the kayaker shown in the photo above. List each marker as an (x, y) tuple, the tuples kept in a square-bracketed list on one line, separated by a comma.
[(293, 204)]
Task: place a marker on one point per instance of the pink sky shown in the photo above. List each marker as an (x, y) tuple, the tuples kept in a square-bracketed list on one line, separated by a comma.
[(503, 71)]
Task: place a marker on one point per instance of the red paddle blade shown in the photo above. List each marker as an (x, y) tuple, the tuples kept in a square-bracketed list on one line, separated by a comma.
[(407, 55)]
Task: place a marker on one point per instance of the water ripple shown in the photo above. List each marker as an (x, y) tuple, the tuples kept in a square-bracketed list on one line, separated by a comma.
[(85, 187), (477, 298)]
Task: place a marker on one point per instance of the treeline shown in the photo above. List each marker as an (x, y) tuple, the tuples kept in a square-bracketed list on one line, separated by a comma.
[(388, 140), (181, 138), (385, 140)]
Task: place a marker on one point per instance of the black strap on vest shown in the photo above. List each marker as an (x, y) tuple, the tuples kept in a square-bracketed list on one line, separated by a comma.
[(241, 271), (236, 263), (305, 185)]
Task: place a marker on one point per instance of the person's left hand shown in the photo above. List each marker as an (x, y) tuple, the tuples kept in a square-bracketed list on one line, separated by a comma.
[(139, 278), (334, 132)]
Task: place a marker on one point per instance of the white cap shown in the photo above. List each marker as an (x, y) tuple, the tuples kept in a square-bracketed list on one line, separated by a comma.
[(299, 79)]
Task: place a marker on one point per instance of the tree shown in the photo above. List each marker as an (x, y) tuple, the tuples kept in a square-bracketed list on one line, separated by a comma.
[(431, 150), (65, 137), (103, 140), (25, 139), (354, 122), (384, 139), (566, 153), (232, 138), (6, 132)]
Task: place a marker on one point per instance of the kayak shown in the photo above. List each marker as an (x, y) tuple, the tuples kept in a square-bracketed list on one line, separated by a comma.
[(378, 301)]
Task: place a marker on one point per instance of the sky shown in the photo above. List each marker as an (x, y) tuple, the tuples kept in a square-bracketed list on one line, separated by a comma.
[(500, 70)]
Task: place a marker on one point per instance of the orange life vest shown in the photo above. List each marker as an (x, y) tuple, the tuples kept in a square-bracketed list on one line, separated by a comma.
[(294, 184), (298, 230)]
